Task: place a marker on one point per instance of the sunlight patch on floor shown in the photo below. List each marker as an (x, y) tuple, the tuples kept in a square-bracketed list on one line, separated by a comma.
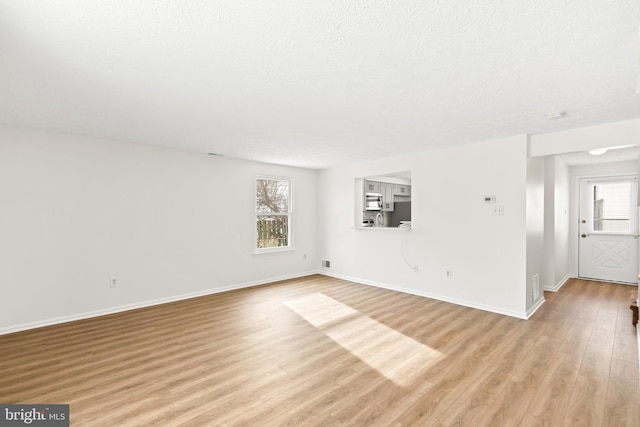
[(320, 310), (396, 356)]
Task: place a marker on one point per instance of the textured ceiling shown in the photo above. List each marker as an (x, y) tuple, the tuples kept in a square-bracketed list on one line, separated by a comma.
[(316, 84)]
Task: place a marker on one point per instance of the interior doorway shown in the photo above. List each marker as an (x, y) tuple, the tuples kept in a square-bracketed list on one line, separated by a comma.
[(608, 229)]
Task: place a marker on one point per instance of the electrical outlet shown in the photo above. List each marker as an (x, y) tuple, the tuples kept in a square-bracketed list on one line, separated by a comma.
[(498, 210), (113, 282), (326, 263), (448, 274), (415, 268)]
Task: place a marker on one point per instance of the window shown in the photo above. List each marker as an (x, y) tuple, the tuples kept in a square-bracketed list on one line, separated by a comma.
[(612, 207), (273, 214)]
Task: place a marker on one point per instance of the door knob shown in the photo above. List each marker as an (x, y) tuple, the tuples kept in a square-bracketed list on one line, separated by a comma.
[(584, 235)]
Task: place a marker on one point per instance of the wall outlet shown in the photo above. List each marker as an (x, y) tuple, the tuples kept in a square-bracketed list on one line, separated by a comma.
[(448, 274), (326, 263), (415, 268), (498, 210), (113, 282)]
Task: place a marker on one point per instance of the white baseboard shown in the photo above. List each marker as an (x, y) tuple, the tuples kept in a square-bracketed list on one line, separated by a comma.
[(149, 303), (142, 304), (560, 284), (465, 303), (535, 307)]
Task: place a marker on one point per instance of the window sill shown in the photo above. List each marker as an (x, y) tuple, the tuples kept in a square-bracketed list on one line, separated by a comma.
[(267, 251)]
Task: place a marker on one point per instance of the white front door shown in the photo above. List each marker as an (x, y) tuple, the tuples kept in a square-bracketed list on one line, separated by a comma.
[(608, 245)]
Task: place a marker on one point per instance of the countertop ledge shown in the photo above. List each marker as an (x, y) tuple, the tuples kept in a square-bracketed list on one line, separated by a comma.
[(382, 228)]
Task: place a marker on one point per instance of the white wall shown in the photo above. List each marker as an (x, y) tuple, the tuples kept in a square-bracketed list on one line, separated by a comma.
[(452, 227), (557, 259), (76, 211), (549, 222), (562, 221), (535, 231)]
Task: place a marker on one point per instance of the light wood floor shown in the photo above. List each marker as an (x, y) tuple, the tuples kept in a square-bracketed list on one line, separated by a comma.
[(326, 352)]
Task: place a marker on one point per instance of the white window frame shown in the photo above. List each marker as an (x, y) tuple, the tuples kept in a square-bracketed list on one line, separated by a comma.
[(633, 214), (289, 214)]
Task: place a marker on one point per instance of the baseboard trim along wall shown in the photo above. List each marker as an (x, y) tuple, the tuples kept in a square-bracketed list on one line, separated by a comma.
[(465, 303), (535, 308), (558, 285), (142, 304)]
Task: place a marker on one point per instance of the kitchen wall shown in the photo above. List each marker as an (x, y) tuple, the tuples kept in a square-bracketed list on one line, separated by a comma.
[(453, 229), (167, 224)]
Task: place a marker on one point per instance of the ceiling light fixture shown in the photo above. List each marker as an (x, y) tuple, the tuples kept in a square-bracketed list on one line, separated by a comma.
[(598, 151), (557, 115)]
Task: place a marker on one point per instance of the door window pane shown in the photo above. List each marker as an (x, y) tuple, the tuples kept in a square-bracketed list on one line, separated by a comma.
[(612, 207)]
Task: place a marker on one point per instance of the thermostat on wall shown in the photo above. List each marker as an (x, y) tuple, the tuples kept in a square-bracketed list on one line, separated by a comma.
[(489, 199)]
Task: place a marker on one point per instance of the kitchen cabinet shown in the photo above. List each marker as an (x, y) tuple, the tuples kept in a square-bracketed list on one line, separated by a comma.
[(401, 190), (387, 196), (372, 187)]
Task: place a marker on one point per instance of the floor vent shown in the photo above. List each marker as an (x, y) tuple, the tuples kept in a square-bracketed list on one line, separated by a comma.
[(535, 282)]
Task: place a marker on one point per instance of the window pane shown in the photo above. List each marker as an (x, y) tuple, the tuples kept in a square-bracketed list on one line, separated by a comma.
[(273, 231), (612, 207), (272, 195)]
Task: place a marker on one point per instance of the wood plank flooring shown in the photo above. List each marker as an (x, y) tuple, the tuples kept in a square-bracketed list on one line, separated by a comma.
[(327, 352)]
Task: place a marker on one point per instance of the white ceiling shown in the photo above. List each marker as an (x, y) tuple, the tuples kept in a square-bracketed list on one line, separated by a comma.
[(316, 84)]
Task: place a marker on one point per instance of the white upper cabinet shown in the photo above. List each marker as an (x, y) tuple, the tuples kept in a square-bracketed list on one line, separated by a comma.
[(387, 197), (372, 187), (401, 190)]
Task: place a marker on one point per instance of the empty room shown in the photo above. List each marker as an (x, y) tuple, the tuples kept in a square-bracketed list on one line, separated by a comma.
[(335, 214)]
